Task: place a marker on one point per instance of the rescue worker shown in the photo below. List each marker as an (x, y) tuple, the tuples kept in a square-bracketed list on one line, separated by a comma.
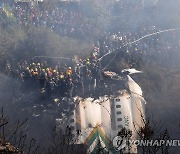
[(69, 72), (42, 78), (61, 85), (70, 88)]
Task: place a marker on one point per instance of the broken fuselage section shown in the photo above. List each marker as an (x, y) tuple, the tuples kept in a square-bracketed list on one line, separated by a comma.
[(98, 121)]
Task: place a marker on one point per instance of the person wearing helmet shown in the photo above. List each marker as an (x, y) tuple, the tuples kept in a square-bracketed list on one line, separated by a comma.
[(36, 70), (47, 69), (50, 69), (61, 85), (88, 62), (70, 88), (52, 86), (80, 60), (35, 73), (33, 65), (54, 73), (57, 73), (61, 76), (42, 79), (32, 71), (69, 72), (49, 73)]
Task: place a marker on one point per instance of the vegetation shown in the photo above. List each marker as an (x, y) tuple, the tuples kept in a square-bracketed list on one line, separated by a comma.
[(160, 81)]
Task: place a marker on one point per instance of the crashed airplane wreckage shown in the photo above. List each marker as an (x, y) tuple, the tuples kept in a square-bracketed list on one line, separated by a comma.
[(99, 121)]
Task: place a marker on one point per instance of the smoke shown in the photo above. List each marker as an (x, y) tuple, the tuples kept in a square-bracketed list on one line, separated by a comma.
[(134, 14), (160, 82), (18, 106), (161, 70)]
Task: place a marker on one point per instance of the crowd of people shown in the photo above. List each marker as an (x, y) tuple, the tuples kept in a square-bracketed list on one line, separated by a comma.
[(132, 53), (82, 78), (67, 18), (136, 52), (62, 19), (86, 75)]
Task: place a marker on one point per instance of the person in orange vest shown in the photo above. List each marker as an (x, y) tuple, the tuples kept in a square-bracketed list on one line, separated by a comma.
[(69, 72)]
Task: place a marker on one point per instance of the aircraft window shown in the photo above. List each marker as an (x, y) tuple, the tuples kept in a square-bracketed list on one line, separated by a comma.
[(117, 100), (120, 126), (118, 112), (118, 106), (72, 120), (119, 119)]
